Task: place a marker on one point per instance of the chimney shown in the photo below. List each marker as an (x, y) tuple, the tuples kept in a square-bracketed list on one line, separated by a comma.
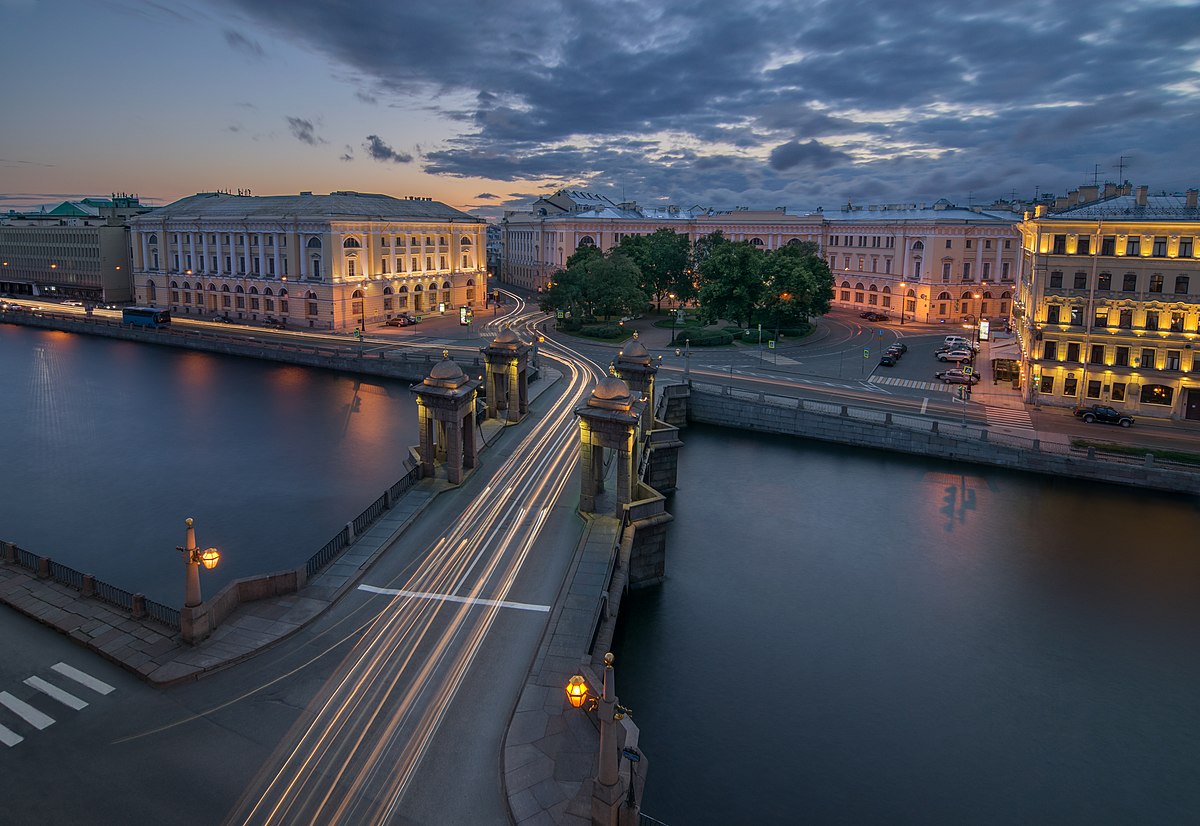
[(1110, 189), (1140, 196), (1062, 202), (1039, 210), (1088, 193), (1191, 198)]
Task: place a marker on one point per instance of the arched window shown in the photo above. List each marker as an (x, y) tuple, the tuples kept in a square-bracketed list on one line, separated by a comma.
[(466, 241), (351, 244), (174, 285), (586, 241), (445, 285), (151, 291), (917, 246), (794, 242), (238, 289), (267, 291), (314, 243), (152, 240), (756, 242), (225, 288), (387, 290), (310, 302)]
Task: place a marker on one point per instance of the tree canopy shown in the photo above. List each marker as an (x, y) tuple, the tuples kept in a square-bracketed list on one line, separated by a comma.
[(596, 285), (664, 258), (784, 286)]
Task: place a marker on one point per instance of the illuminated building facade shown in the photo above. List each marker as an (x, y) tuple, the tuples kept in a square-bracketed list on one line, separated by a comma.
[(1109, 303), (332, 262), (77, 250)]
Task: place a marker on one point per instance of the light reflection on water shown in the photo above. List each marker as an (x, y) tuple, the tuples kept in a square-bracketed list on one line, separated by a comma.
[(851, 637), (109, 445)]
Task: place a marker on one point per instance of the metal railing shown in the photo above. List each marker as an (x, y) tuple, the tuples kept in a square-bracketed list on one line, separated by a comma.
[(90, 586)]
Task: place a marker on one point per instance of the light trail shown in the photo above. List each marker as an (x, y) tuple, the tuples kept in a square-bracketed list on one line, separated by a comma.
[(354, 752)]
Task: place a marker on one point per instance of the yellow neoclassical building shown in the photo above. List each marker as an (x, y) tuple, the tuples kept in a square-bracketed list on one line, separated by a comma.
[(329, 262), (1109, 303)]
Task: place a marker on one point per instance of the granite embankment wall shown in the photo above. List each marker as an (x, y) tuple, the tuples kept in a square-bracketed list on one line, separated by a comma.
[(922, 436), (374, 360)]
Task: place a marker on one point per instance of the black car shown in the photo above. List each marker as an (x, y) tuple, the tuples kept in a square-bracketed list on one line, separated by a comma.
[(1103, 413), (888, 360), (898, 345), (871, 315)]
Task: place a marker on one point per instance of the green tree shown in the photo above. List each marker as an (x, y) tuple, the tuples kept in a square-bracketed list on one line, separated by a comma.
[(797, 282), (731, 284), (664, 260), (594, 284)]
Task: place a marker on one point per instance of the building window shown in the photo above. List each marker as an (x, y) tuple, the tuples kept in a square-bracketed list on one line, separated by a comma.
[(1133, 245), (1151, 319), (1070, 386), (1172, 362), (1181, 285), (271, 266), (1148, 360), (1185, 247), (1156, 282), (946, 269), (1046, 385), (1126, 319), (1077, 316), (1060, 245), (1159, 250), (1056, 278), (1104, 281), (1083, 246), (1004, 276), (987, 270), (256, 260), (966, 271), (1157, 394), (1093, 389), (1121, 358), (1129, 282), (1050, 350), (1081, 280), (1073, 351), (1176, 322), (311, 309), (1108, 245), (1097, 354), (968, 243), (385, 266), (1052, 313), (241, 265), (1101, 320)]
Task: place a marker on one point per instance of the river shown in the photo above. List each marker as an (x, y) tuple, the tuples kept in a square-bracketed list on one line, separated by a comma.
[(854, 637), (109, 445)]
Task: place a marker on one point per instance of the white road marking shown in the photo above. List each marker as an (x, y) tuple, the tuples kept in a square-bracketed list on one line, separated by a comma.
[(395, 592), (9, 737), (51, 690), (98, 686), (25, 711), (924, 405)]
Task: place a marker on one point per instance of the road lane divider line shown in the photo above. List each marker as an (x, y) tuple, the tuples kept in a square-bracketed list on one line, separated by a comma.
[(25, 711), (51, 690), (398, 592), (98, 686), (9, 737)]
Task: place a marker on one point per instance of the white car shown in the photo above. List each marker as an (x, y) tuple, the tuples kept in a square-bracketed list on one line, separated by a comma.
[(72, 303), (956, 355)]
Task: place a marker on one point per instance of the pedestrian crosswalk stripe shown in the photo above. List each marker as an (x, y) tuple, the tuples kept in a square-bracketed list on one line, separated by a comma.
[(51, 690), (9, 737), (99, 686), (25, 711), (940, 387), (1009, 417)]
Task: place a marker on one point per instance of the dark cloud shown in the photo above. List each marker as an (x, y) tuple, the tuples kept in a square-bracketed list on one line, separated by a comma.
[(303, 131), (240, 43), (348, 154), (486, 196), (380, 151), (797, 101), (366, 97), (811, 154)]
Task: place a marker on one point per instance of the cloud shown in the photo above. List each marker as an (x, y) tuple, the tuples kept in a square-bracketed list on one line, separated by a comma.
[(380, 151), (302, 130), (797, 101), (240, 43), (812, 154), (486, 196), (366, 97), (348, 155)]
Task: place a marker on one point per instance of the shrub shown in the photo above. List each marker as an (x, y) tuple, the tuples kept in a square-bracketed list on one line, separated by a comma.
[(706, 338), (605, 331)]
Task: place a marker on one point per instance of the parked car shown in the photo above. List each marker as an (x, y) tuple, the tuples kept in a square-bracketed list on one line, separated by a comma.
[(224, 319), (72, 303), (956, 355), (957, 376), (894, 352), (946, 348), (871, 315), (398, 321), (898, 345), (1103, 413), (888, 360)]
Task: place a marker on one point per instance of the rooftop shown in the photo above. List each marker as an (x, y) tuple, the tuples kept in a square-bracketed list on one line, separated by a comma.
[(1127, 208), (339, 205)]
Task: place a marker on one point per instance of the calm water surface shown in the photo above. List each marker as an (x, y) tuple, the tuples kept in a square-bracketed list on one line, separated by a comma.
[(109, 445), (849, 637)]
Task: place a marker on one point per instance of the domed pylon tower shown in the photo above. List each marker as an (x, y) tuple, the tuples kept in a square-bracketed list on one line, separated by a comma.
[(507, 388), (635, 366), (446, 419), (610, 420)]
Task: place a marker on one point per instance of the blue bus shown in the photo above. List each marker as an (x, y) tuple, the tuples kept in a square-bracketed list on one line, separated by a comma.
[(146, 316)]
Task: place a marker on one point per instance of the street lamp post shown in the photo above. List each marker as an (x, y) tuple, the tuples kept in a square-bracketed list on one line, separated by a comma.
[(193, 557), (903, 299), (674, 317)]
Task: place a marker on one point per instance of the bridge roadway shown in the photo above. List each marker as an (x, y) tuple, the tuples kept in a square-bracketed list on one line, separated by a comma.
[(387, 704)]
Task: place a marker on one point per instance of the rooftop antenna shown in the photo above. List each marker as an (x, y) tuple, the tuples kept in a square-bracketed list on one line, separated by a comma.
[(1120, 166), (1095, 174)]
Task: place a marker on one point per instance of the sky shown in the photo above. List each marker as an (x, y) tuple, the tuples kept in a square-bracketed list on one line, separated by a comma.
[(487, 104)]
